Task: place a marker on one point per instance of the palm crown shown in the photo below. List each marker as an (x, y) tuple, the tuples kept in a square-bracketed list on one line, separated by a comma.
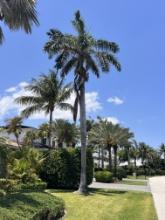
[(18, 14), (82, 53)]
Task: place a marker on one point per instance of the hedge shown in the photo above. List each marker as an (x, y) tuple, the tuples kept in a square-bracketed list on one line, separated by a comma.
[(33, 205), (61, 168), (104, 176)]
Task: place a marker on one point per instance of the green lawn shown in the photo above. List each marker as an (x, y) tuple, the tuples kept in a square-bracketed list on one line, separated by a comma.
[(139, 183), (107, 205), (138, 177)]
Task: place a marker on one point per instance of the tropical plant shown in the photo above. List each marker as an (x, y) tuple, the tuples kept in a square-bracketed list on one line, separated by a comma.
[(134, 153), (65, 132), (25, 164), (82, 54), (48, 94), (18, 14), (14, 125)]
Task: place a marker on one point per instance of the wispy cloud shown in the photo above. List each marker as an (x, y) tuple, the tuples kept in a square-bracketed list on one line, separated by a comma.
[(112, 119), (115, 100)]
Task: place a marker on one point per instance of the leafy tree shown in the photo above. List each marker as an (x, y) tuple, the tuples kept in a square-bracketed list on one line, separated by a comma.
[(48, 93), (14, 125), (83, 54), (18, 14)]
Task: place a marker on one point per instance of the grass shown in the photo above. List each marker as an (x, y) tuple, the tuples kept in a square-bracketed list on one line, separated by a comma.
[(107, 205), (138, 177), (129, 182), (25, 206)]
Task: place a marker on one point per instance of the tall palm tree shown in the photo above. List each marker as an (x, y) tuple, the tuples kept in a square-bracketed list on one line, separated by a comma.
[(48, 93), (82, 54), (143, 149), (18, 14), (14, 125)]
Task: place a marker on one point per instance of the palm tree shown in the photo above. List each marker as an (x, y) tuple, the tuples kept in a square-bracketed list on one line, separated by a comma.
[(65, 132), (134, 153), (14, 125), (48, 93), (82, 54), (18, 14), (162, 150), (143, 148), (30, 137)]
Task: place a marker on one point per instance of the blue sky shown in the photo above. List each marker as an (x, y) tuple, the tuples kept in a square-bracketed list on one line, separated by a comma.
[(136, 94)]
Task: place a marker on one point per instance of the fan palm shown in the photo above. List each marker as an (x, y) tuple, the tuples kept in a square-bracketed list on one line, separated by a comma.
[(48, 93), (82, 54), (18, 14), (14, 125)]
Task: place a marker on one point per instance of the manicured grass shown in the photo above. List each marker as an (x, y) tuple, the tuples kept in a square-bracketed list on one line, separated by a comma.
[(107, 205), (26, 206), (139, 183), (138, 177)]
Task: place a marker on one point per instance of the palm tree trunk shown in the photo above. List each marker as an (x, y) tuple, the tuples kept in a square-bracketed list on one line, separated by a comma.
[(99, 156), (110, 157), (83, 183), (50, 129), (102, 158), (115, 161), (17, 140)]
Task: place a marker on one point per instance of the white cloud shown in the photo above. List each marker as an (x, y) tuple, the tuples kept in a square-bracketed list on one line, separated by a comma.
[(7, 104), (115, 100), (114, 120), (11, 89)]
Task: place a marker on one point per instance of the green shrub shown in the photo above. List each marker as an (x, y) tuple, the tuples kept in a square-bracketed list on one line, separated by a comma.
[(121, 173), (38, 186), (104, 176), (2, 193), (8, 185), (61, 169), (31, 205)]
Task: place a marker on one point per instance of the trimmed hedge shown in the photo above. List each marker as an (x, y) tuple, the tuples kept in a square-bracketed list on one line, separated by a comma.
[(32, 205), (104, 176), (121, 173), (61, 168)]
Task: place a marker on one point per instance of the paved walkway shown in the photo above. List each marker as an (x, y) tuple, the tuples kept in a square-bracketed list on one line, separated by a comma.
[(120, 187), (157, 185)]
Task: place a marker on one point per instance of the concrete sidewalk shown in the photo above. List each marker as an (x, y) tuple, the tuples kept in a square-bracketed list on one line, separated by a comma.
[(157, 186), (120, 187)]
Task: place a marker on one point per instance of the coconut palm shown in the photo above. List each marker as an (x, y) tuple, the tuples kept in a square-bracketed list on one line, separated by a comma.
[(18, 14), (134, 153), (14, 126), (48, 94), (83, 54), (30, 137)]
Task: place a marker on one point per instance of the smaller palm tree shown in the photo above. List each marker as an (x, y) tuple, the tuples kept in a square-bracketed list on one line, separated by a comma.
[(14, 125), (162, 150), (48, 94), (65, 132)]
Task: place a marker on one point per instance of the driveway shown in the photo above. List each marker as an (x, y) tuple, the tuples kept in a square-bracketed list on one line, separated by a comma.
[(120, 187), (157, 185)]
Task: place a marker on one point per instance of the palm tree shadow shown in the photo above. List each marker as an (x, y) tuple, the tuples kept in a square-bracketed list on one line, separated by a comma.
[(107, 192)]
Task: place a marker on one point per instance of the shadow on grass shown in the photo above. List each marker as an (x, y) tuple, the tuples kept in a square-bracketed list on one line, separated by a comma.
[(9, 200), (92, 192)]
